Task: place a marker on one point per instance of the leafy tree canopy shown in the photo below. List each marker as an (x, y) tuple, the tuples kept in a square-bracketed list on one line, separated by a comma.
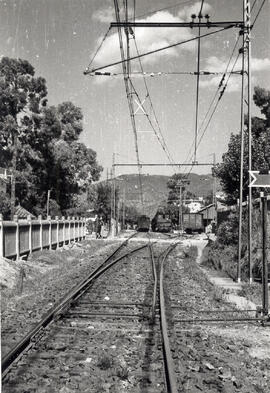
[(229, 170), (41, 141)]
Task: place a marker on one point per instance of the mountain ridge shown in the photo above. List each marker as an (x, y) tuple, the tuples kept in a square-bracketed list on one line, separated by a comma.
[(155, 190)]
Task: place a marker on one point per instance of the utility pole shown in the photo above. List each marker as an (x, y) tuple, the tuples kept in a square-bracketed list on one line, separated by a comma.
[(48, 202), (242, 152), (265, 302), (247, 28), (198, 82)]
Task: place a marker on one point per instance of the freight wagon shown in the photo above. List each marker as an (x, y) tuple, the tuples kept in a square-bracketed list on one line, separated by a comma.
[(193, 222), (161, 223), (143, 224)]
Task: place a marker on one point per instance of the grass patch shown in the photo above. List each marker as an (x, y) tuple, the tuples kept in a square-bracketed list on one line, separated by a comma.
[(220, 258), (105, 362), (252, 292), (191, 253)]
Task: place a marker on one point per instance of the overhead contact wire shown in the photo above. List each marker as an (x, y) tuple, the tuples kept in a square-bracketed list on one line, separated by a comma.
[(128, 93), (87, 71), (162, 142)]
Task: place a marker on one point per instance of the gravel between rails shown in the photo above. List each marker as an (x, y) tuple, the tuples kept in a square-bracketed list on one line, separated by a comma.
[(212, 357), (115, 355), (49, 275), (99, 354)]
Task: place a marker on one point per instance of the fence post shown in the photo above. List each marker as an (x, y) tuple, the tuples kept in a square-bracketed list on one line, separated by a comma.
[(79, 228), (74, 229), (17, 237), (40, 232), (50, 231), (1, 236), (64, 230), (84, 227), (69, 229), (57, 232), (29, 219)]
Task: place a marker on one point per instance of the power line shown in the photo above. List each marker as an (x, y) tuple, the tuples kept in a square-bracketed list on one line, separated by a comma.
[(216, 105), (258, 13), (161, 73), (99, 47), (87, 71), (198, 82), (125, 66), (221, 95), (215, 95), (162, 142), (230, 73)]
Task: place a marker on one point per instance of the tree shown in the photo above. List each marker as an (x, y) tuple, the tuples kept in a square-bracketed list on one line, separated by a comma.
[(104, 197), (131, 215), (229, 170), (41, 142), (173, 185), (21, 94), (4, 205)]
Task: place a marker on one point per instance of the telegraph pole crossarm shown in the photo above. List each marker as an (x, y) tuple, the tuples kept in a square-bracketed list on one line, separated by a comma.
[(191, 24)]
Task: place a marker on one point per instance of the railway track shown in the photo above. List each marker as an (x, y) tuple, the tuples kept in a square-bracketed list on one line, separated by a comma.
[(86, 310), (145, 321), (57, 310)]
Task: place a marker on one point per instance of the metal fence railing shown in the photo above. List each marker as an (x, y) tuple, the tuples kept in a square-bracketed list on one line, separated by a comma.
[(20, 237)]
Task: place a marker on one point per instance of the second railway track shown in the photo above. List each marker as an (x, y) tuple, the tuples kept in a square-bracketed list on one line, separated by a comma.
[(103, 324)]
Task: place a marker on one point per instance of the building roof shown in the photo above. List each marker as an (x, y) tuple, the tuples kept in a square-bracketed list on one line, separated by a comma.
[(207, 207), (208, 212), (22, 213)]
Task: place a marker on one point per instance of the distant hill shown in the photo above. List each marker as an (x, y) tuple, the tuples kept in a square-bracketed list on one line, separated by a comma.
[(155, 189)]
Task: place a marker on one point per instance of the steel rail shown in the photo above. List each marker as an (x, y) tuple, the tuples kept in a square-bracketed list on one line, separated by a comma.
[(154, 270), (218, 311), (199, 320), (169, 364), (61, 307)]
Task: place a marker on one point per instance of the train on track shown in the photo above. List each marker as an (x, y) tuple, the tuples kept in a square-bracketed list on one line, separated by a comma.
[(161, 222), (193, 222), (143, 223)]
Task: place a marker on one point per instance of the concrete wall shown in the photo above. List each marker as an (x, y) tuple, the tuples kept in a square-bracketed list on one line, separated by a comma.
[(19, 237)]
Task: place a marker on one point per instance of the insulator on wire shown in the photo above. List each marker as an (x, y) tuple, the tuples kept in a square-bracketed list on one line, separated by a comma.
[(222, 80)]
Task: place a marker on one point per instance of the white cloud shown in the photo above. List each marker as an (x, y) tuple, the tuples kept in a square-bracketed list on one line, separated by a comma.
[(148, 39), (215, 64), (187, 11), (233, 85), (104, 15), (260, 64)]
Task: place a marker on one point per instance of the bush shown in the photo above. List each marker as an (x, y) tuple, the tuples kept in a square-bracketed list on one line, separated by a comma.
[(5, 205), (227, 233)]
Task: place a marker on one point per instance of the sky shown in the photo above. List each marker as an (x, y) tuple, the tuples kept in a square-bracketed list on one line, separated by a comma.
[(60, 37)]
